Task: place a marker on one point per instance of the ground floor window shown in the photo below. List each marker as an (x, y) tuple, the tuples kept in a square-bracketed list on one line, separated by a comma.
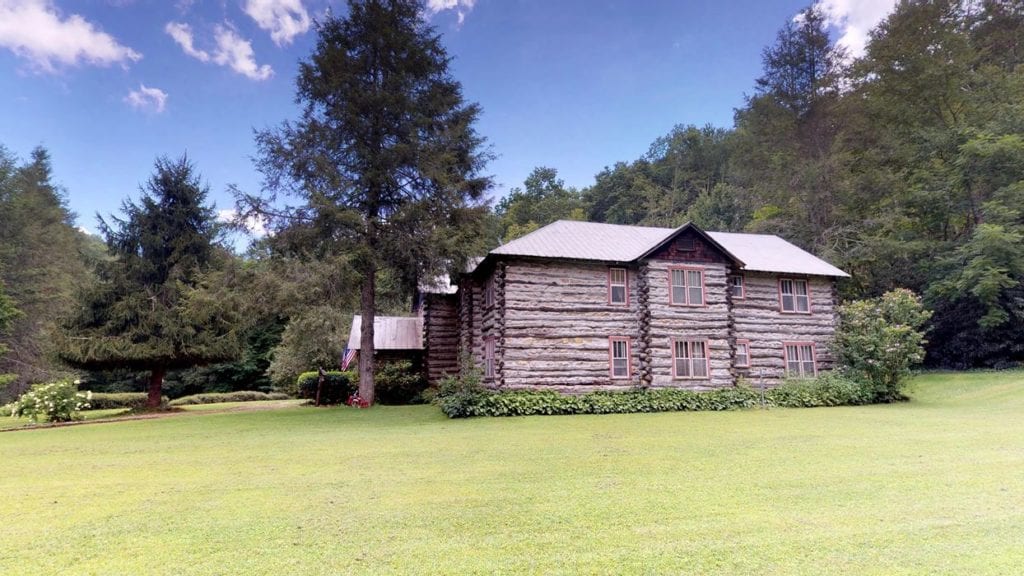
[(689, 359), (489, 357), (800, 360), (743, 353), (618, 351)]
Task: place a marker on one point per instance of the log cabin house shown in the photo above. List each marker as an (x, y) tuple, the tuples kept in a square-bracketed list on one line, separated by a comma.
[(579, 306)]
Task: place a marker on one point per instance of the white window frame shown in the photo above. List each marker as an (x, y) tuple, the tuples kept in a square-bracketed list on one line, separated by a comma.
[(688, 288), (489, 293), (742, 286), (794, 296), (801, 359), (613, 284), (489, 363), (690, 360), (745, 346), (616, 360)]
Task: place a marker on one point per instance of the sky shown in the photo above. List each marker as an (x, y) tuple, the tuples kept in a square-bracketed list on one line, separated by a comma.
[(107, 86)]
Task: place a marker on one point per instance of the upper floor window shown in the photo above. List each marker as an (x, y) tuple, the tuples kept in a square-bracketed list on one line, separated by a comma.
[(618, 350), (687, 286), (489, 357), (489, 294), (689, 359), (801, 360), (794, 296), (736, 287), (743, 353), (617, 291)]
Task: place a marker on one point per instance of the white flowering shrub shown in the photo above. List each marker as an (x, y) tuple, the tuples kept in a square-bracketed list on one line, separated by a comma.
[(54, 402)]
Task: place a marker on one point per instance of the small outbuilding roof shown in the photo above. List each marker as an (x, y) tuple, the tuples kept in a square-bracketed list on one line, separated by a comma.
[(568, 239), (390, 332)]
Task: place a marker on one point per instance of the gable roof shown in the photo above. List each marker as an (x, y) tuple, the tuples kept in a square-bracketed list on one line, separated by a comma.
[(568, 239), (390, 332)]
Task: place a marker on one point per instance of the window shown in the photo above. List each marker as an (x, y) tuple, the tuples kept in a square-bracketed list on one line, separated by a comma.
[(687, 286), (489, 357), (800, 360), (618, 349), (793, 296), (689, 359), (743, 353), (617, 291), (489, 294), (736, 287)]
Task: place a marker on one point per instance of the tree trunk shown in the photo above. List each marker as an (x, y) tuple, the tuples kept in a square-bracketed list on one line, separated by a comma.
[(156, 385), (368, 310)]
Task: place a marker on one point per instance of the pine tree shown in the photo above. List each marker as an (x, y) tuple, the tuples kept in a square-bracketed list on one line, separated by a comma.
[(385, 156), (153, 308)]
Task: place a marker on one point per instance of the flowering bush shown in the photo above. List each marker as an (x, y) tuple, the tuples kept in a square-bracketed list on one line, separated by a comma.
[(56, 402)]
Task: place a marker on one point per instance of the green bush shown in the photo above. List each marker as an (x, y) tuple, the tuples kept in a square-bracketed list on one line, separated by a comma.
[(397, 382), (464, 397), (56, 402), (111, 400), (6, 410), (338, 386), (880, 339), (219, 397)]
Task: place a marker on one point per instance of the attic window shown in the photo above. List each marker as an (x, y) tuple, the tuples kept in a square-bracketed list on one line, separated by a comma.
[(686, 245)]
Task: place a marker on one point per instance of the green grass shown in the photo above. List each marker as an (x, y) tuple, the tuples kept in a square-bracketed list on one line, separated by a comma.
[(933, 486)]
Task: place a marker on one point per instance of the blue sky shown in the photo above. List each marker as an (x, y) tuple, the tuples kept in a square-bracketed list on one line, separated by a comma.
[(109, 85)]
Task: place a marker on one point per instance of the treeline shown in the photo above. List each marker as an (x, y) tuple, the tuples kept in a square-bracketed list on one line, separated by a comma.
[(904, 167)]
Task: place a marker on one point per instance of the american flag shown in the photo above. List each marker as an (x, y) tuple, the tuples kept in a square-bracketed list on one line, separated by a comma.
[(347, 357)]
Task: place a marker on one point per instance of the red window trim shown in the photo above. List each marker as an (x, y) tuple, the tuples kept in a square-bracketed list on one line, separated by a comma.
[(747, 342), (743, 286), (703, 287), (794, 311), (611, 357), (490, 364), (814, 356), (626, 273), (707, 359)]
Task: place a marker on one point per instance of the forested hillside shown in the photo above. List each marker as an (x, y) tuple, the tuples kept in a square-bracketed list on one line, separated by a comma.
[(904, 167)]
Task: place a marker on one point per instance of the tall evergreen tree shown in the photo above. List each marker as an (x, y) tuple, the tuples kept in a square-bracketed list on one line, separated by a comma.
[(152, 308), (385, 157)]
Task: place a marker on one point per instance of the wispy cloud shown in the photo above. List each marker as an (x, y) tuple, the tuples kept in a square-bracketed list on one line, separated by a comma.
[(230, 50), (854, 19), (182, 34), (147, 99), (253, 224), (38, 32), (461, 7), (284, 19)]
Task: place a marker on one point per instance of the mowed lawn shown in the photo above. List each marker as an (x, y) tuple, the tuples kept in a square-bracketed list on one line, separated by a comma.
[(933, 486)]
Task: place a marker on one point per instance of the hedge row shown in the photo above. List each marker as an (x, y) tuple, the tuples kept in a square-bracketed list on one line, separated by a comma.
[(338, 386), (218, 397), (832, 390), (111, 400)]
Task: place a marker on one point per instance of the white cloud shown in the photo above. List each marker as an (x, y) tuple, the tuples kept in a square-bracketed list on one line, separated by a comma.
[(182, 34), (37, 31), (236, 52), (253, 224), (147, 99), (284, 19), (854, 19), (231, 50), (461, 7)]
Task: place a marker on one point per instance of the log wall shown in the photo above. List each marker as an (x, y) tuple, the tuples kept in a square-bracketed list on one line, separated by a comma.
[(556, 325), (440, 336), (758, 318)]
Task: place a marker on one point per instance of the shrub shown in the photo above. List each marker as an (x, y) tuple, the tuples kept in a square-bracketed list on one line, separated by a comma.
[(338, 386), (464, 397), (397, 382), (56, 401), (111, 400), (6, 410), (880, 339), (219, 397)]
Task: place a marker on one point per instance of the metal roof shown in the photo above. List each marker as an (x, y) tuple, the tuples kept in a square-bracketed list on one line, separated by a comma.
[(618, 243), (390, 332)]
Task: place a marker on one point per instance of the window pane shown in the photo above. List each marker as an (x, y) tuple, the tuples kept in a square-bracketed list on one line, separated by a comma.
[(693, 278), (787, 302), (677, 278), (682, 368), (698, 350), (700, 368), (619, 349), (696, 296), (786, 286), (678, 295), (618, 294), (801, 287), (618, 276), (802, 305)]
